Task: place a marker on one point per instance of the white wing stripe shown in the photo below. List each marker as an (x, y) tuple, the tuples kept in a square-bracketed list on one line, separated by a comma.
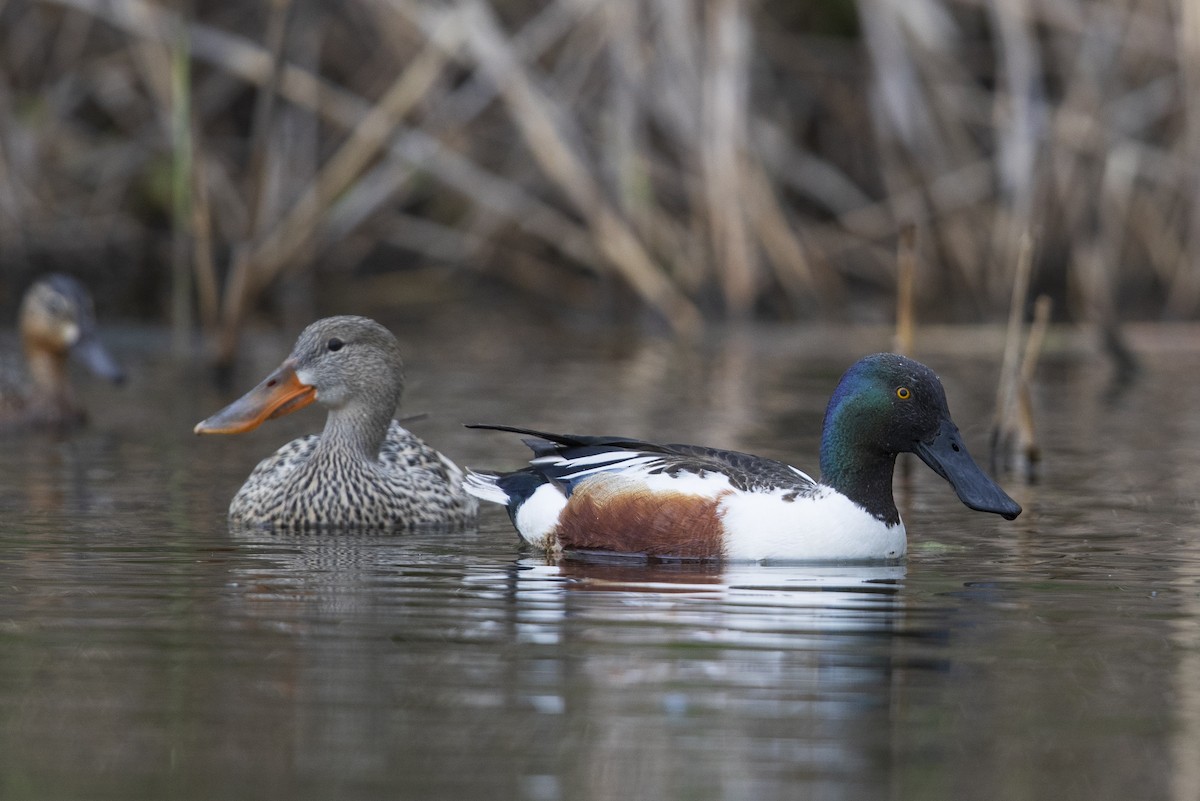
[(802, 474), (604, 457), (627, 462)]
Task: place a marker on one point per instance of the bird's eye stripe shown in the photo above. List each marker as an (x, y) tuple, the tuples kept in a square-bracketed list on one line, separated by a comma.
[(336, 344)]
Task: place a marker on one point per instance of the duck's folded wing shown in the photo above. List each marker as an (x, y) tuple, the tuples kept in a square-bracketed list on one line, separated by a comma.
[(567, 459), (747, 471)]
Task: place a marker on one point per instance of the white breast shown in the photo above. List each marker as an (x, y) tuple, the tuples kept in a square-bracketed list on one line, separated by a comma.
[(538, 516), (826, 527)]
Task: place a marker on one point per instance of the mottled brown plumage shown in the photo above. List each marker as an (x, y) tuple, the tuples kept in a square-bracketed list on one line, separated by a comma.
[(364, 471), (56, 322)]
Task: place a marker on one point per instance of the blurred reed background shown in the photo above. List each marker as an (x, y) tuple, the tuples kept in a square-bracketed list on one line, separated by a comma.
[(204, 162)]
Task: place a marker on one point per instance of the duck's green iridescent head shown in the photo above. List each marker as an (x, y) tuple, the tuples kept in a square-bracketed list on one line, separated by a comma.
[(887, 404)]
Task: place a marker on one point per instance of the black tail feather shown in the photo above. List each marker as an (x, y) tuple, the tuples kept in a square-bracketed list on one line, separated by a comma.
[(570, 440), (561, 439)]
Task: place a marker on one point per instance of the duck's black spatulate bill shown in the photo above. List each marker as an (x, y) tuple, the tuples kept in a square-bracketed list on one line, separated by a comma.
[(947, 456)]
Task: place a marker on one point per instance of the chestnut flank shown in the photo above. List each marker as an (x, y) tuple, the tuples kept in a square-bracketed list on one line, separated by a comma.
[(608, 514)]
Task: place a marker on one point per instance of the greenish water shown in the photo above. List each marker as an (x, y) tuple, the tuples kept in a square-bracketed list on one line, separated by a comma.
[(147, 652)]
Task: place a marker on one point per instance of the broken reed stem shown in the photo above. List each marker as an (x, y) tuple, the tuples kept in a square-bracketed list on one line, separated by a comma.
[(906, 279), (1025, 451), (1037, 336), (1028, 450), (1004, 426), (1012, 341)]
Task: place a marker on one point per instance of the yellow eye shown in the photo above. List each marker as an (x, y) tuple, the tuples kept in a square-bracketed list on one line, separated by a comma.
[(903, 394)]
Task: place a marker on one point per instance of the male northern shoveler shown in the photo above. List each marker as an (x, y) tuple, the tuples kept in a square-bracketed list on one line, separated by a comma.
[(584, 494), (57, 320), (364, 471)]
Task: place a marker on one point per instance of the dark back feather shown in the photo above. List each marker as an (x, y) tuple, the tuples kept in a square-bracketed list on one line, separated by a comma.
[(745, 471)]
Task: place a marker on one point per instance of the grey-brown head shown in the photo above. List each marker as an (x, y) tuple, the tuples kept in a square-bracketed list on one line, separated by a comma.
[(350, 361), (344, 363), (57, 319)]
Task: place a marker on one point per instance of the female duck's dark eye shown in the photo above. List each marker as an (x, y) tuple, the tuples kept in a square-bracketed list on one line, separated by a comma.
[(336, 344)]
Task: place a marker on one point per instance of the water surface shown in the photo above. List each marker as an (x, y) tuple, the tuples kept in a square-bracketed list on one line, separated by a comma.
[(148, 652)]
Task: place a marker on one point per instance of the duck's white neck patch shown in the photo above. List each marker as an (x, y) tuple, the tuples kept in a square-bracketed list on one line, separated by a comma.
[(323, 397)]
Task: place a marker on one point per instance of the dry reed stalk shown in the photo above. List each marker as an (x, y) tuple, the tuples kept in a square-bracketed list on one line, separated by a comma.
[(711, 192), (674, 81), (233, 54), (12, 205), (922, 136), (505, 198), (906, 280), (812, 176), (1019, 122), (1184, 294), (1005, 425), (1024, 449), (535, 117), (181, 192), (621, 148), (282, 245), (786, 254), (723, 92), (952, 193), (672, 100), (1037, 337), (1143, 33), (547, 27), (499, 195), (645, 53), (1150, 217), (308, 91), (262, 127), (260, 187), (203, 261)]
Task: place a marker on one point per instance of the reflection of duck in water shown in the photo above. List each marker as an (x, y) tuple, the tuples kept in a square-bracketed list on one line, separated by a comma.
[(364, 471), (616, 495), (56, 320)]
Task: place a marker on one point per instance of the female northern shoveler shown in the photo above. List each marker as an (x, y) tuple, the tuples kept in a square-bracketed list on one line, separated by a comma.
[(56, 321), (624, 496), (364, 471)]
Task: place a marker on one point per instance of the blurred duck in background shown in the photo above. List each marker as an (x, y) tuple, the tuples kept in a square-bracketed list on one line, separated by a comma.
[(56, 321)]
